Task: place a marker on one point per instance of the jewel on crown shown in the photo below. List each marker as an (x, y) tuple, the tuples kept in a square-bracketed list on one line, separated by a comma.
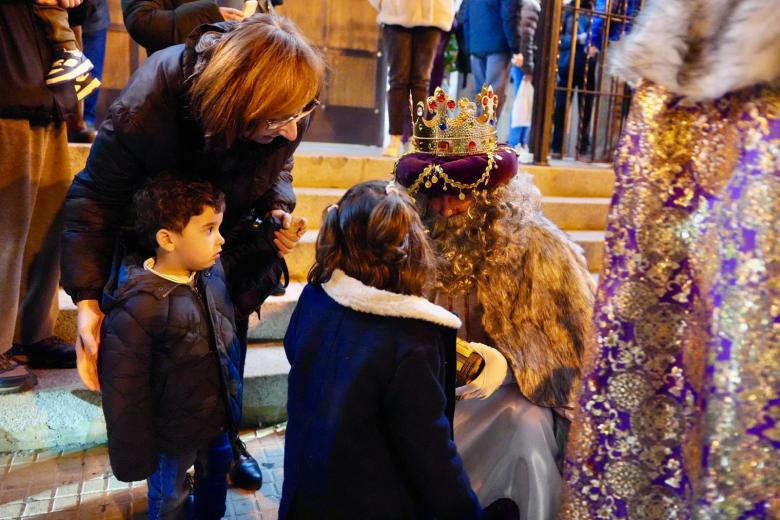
[(444, 127)]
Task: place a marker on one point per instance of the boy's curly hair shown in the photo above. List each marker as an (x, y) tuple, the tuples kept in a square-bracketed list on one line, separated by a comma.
[(169, 202), (375, 236)]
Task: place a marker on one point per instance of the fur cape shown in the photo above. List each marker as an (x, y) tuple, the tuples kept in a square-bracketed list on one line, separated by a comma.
[(537, 304), (702, 49)]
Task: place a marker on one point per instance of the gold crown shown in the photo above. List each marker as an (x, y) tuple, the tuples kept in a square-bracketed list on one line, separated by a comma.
[(455, 128)]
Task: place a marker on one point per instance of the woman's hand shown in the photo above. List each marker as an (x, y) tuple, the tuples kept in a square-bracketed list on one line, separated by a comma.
[(494, 374), (292, 230), (88, 323)]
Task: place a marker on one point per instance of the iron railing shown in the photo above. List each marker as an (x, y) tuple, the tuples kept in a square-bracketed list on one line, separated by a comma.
[(574, 43)]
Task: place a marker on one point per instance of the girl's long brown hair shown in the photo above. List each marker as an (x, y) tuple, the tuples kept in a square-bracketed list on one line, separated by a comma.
[(263, 69), (375, 236)]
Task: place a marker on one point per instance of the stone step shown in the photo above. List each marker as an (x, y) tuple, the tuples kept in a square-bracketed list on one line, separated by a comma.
[(300, 260), (340, 166), (568, 213), (571, 179), (60, 412), (276, 310)]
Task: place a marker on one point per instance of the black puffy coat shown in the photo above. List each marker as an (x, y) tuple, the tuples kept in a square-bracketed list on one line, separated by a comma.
[(149, 131), (168, 366)]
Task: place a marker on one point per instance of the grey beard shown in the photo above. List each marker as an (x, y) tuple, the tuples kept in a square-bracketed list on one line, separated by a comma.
[(460, 249)]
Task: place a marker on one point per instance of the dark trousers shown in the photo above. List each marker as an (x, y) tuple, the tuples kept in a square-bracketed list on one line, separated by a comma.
[(168, 490), (410, 53), (36, 175), (95, 50), (580, 81)]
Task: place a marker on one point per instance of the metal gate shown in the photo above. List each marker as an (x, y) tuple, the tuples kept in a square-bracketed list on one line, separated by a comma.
[(575, 45)]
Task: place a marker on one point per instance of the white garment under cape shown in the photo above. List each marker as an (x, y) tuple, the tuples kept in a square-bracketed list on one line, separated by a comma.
[(507, 443), (508, 448)]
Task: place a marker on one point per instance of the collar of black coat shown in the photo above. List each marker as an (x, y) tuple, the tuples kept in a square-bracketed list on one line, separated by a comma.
[(193, 46), (356, 295)]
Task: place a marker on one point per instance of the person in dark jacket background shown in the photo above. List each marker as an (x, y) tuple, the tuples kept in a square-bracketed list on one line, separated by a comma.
[(157, 24), (583, 76), (171, 388), (497, 32), (35, 177), (371, 389), (230, 106)]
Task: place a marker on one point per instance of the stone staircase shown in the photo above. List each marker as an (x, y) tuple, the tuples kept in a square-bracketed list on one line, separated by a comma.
[(60, 412)]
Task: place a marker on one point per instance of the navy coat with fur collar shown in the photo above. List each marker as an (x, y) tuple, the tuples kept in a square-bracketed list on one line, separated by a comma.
[(370, 402)]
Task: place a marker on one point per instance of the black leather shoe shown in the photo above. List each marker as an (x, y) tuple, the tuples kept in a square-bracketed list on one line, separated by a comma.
[(52, 352), (280, 290), (245, 472)]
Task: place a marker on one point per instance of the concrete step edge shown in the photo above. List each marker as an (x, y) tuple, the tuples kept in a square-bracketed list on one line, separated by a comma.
[(301, 191), (342, 166), (60, 412)]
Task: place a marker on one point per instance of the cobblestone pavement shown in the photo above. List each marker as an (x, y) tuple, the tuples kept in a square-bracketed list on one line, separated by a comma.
[(79, 484)]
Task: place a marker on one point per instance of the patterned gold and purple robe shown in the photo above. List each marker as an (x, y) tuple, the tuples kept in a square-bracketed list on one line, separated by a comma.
[(680, 401)]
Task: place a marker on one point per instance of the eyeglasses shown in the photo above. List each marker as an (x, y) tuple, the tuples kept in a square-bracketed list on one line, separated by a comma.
[(280, 123)]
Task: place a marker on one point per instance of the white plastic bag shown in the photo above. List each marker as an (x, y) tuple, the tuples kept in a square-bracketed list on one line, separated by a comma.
[(523, 105)]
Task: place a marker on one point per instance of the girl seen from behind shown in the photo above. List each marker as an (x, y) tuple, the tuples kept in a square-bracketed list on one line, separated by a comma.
[(371, 389)]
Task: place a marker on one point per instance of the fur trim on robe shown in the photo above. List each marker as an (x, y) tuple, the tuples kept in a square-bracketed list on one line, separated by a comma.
[(537, 308), (702, 49)]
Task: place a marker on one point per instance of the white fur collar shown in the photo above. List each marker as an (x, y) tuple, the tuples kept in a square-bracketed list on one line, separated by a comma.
[(356, 295), (702, 49)]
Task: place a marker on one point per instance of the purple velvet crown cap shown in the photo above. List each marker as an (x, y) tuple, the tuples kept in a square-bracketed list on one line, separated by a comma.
[(466, 170)]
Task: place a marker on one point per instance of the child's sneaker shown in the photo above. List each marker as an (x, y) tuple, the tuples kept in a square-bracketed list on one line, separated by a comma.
[(85, 85), (67, 66)]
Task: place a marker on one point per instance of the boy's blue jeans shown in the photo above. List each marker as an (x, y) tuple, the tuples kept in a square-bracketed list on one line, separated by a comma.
[(168, 490)]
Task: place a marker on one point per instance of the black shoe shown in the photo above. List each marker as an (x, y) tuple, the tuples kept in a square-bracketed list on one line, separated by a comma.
[(501, 509), (52, 352), (280, 290), (245, 472)]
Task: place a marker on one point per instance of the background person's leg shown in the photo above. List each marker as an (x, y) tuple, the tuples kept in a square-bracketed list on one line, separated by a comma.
[(514, 131), (478, 65), (558, 113), (398, 44), (425, 41), (497, 75), (35, 168), (586, 107), (95, 50), (39, 286)]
